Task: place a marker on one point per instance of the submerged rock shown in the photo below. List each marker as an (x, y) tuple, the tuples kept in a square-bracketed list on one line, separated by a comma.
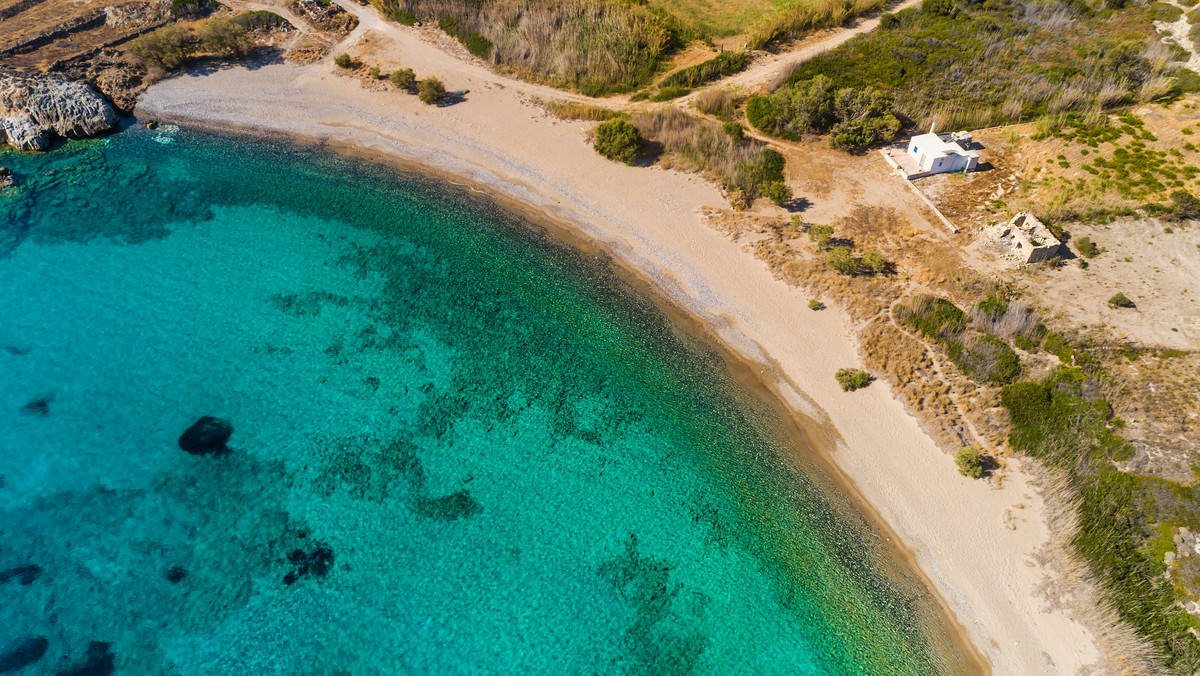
[(24, 653), (33, 110), (176, 574), (6, 177), (24, 575), (206, 436), (99, 662), (457, 505), (316, 563), (38, 407)]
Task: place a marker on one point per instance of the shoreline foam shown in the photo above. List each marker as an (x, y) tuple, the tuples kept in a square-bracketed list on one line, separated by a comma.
[(532, 165)]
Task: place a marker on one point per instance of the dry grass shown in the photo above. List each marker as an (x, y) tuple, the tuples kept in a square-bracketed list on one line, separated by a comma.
[(593, 46), (574, 110), (801, 18), (698, 145), (719, 102)]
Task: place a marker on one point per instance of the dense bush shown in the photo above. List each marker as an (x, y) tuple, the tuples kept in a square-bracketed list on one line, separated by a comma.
[(431, 90), (479, 46), (343, 60), (794, 20), (225, 38), (618, 140), (672, 92), (821, 235), (168, 48), (937, 318), (852, 379), (970, 462), (854, 118), (1121, 300), (1087, 247), (842, 259), (403, 78), (776, 191), (1187, 205)]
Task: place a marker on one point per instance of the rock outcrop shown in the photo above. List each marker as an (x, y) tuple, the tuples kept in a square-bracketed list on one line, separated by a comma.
[(206, 436), (33, 110)]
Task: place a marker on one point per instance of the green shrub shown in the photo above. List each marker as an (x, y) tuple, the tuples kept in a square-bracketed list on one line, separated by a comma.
[(1026, 342), (970, 462), (669, 93), (431, 90), (873, 263), (1120, 300), (1087, 247), (404, 17), (343, 60), (888, 21), (403, 78), (815, 304), (986, 358), (761, 113), (854, 118), (449, 26), (841, 259), (936, 318), (225, 38), (374, 73), (618, 140), (735, 130), (821, 235), (776, 191), (479, 46), (168, 48), (1187, 205), (852, 379)]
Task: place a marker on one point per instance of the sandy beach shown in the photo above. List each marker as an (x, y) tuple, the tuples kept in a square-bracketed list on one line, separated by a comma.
[(499, 141)]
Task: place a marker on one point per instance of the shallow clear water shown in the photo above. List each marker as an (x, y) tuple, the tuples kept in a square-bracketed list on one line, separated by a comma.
[(458, 446)]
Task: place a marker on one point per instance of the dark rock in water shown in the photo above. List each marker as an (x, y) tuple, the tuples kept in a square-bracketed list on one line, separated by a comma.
[(6, 177), (39, 407), (25, 652), (151, 124), (175, 574), (457, 505), (316, 563), (24, 575), (207, 436), (100, 662)]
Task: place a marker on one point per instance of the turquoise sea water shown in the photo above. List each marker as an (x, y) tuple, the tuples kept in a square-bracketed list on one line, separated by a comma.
[(459, 447)]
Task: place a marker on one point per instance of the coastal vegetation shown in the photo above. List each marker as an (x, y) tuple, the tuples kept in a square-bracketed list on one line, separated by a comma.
[(431, 90), (970, 462), (744, 167), (618, 140), (967, 64), (170, 47), (854, 118), (852, 379)]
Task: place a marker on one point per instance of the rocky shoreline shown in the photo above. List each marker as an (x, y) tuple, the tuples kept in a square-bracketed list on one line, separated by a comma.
[(36, 109)]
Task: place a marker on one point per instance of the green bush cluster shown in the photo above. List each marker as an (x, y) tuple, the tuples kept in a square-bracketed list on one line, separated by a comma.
[(1087, 247), (618, 140), (403, 78), (431, 90), (970, 462), (852, 379), (259, 19), (854, 118), (1120, 300), (842, 259), (190, 9)]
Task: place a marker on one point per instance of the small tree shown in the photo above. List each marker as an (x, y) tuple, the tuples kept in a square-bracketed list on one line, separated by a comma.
[(374, 73), (618, 140), (343, 60), (874, 263), (821, 235), (225, 38), (168, 48), (431, 90), (403, 78), (841, 259), (1121, 300), (1187, 205), (852, 379), (776, 191), (970, 462)]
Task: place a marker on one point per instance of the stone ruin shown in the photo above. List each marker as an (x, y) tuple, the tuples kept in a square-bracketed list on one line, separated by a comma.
[(1027, 239)]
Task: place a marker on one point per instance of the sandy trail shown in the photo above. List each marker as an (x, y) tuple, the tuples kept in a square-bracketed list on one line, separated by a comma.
[(500, 142)]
